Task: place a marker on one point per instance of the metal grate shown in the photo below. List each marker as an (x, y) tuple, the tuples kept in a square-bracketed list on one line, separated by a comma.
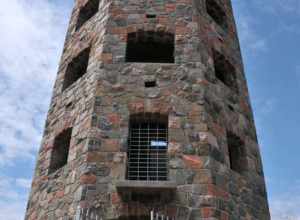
[(147, 151)]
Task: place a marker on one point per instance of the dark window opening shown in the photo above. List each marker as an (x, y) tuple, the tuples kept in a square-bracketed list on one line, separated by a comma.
[(60, 151), (150, 16), (87, 12), (225, 71), (217, 13), (149, 84), (76, 68), (150, 47), (69, 106), (231, 108), (147, 148), (237, 153)]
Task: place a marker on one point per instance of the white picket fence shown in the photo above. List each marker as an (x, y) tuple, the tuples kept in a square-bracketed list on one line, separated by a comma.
[(88, 214), (158, 216), (93, 214)]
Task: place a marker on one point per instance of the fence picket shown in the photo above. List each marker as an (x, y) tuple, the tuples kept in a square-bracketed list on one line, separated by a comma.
[(158, 216)]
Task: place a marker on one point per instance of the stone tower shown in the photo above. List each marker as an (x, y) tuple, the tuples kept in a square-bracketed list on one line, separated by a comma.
[(150, 117)]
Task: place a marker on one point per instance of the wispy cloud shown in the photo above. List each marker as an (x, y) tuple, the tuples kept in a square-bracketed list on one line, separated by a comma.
[(285, 206), (24, 183), (31, 38), (7, 191), (32, 34), (12, 211), (262, 25), (263, 108), (276, 7), (12, 198), (252, 38), (249, 36)]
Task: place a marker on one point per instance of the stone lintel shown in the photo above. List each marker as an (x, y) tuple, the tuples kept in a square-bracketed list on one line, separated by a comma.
[(146, 186)]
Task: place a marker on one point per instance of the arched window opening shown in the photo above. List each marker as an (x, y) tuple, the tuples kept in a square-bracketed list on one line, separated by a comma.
[(147, 148), (150, 47)]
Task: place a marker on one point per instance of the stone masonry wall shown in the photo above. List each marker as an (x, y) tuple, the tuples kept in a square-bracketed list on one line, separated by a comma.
[(201, 111)]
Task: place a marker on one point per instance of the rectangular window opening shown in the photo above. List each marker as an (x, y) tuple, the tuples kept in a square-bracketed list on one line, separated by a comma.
[(147, 150), (60, 151), (150, 15), (76, 68), (237, 153), (150, 47), (87, 12), (231, 108), (149, 84), (217, 13), (225, 71)]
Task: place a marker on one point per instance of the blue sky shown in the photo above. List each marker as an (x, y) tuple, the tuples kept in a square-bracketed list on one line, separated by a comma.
[(32, 35)]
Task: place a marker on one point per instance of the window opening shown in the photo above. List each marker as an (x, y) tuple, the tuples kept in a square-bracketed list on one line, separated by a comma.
[(237, 154), (76, 68), (87, 12), (150, 47), (149, 84), (231, 108), (224, 71), (150, 15), (148, 145), (69, 106), (59, 156), (217, 13)]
